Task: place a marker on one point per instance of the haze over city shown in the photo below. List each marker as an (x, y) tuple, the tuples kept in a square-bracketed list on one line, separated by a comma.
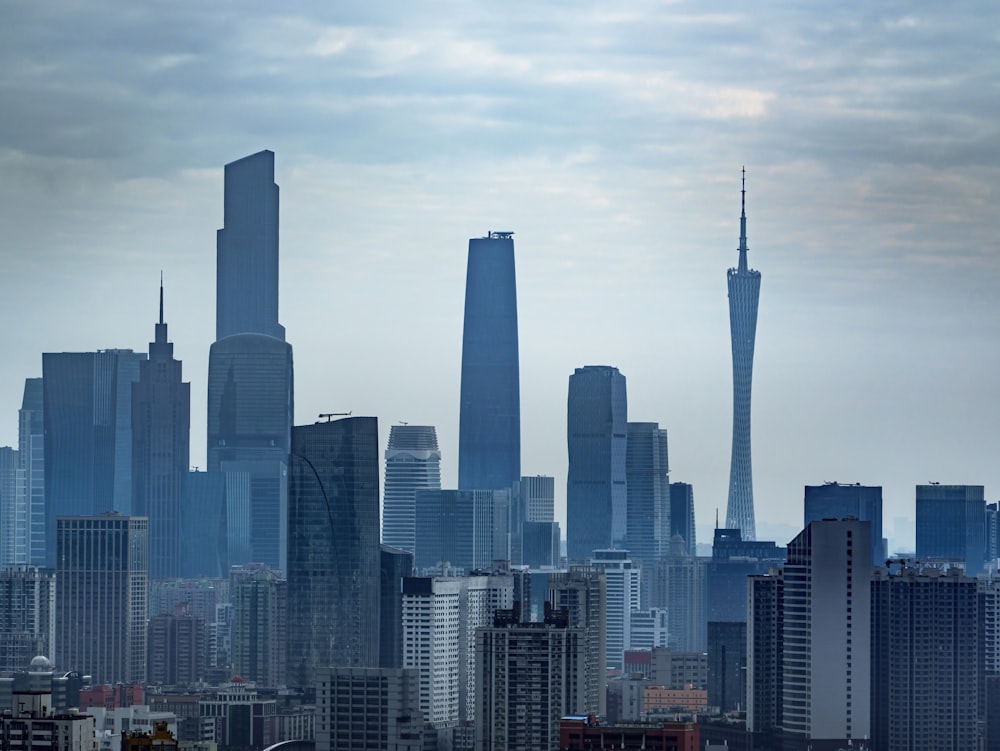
[(611, 141)]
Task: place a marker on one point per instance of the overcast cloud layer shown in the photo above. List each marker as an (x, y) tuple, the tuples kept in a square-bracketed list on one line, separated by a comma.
[(611, 141)]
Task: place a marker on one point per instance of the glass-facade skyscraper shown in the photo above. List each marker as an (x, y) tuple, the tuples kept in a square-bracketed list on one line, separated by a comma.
[(31, 454), (835, 501), (87, 414), (597, 437), (412, 463), (744, 294), (489, 432), (161, 427), (951, 524), (647, 491), (250, 376), (334, 551)]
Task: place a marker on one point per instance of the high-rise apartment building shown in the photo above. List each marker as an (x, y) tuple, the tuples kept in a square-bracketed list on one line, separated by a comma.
[(489, 431), (250, 376), (394, 566), (622, 577), (368, 709), (87, 417), (597, 437), (530, 675), (412, 462), (31, 453), (765, 645), (647, 492), (259, 630), (951, 524), (826, 632), (582, 592), (101, 596), (744, 294), (682, 515), (333, 564), (27, 615), (177, 653), (161, 427), (925, 667), (833, 500), (727, 665)]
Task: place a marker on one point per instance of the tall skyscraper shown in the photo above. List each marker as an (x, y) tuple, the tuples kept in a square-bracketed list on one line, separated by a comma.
[(260, 626), (412, 462), (161, 427), (489, 431), (394, 566), (247, 250), (466, 528), (87, 403), (250, 391), (744, 293), (621, 575), (333, 562), (13, 517), (647, 492), (31, 452), (835, 501), (534, 535), (596, 492), (951, 524), (101, 596)]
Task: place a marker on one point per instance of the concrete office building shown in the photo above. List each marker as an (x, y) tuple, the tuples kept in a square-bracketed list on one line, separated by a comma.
[(27, 615), (368, 709), (583, 593), (622, 577)]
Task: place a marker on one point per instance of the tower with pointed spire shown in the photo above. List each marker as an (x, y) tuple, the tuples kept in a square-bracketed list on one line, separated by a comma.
[(744, 294), (161, 426)]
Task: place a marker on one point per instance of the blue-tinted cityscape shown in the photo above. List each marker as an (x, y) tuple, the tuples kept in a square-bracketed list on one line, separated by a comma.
[(483, 504)]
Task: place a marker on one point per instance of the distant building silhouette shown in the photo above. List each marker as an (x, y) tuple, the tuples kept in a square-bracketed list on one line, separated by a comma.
[(161, 427), (333, 563), (31, 454), (13, 530), (727, 665), (951, 524), (412, 462), (682, 515), (833, 500), (489, 433), (647, 492), (260, 625), (596, 493), (176, 649), (250, 375), (394, 566), (101, 595), (87, 408), (744, 294)]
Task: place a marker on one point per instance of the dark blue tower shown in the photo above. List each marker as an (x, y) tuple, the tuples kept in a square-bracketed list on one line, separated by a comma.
[(489, 432), (744, 293)]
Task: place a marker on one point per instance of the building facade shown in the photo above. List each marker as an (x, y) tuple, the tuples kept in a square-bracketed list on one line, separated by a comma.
[(87, 416), (489, 431), (412, 463), (951, 524), (101, 596), (161, 428), (467, 529), (368, 709), (31, 453), (647, 474), (333, 568), (833, 500), (744, 294), (27, 615), (530, 675), (622, 577), (682, 515), (583, 593), (259, 630), (597, 438)]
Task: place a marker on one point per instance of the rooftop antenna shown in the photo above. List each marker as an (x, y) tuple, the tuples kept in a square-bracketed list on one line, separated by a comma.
[(161, 297), (743, 223)]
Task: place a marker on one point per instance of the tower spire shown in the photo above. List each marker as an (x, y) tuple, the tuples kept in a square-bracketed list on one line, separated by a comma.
[(161, 297), (161, 328), (743, 224)]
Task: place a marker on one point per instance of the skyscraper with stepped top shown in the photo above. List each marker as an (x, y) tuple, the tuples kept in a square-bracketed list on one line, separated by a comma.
[(744, 293)]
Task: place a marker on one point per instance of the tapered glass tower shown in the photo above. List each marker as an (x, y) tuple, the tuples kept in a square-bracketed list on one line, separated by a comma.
[(744, 293), (489, 432)]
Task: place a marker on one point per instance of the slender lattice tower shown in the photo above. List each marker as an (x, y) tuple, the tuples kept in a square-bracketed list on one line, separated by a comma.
[(744, 293)]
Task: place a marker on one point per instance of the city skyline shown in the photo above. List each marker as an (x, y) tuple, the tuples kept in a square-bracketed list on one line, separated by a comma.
[(866, 133)]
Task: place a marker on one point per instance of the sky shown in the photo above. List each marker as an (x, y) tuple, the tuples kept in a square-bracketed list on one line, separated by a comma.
[(610, 139)]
